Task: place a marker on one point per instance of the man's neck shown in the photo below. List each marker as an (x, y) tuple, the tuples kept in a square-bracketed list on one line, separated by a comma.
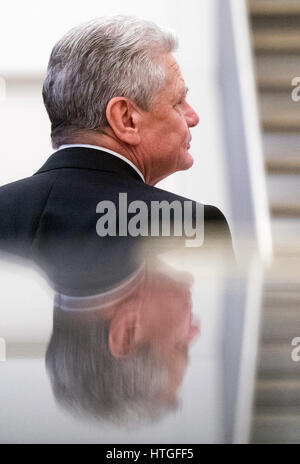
[(103, 149), (107, 141)]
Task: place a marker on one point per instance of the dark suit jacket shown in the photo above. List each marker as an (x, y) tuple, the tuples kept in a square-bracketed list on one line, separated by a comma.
[(51, 217)]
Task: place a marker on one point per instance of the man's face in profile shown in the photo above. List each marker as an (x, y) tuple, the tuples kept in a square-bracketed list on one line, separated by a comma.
[(159, 316), (167, 321), (166, 127)]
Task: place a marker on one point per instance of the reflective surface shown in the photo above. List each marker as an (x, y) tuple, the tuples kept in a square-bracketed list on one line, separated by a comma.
[(181, 350)]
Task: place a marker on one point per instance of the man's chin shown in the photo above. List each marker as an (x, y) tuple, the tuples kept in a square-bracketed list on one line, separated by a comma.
[(188, 162)]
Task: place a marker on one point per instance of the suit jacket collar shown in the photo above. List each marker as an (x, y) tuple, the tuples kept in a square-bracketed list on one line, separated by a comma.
[(88, 158)]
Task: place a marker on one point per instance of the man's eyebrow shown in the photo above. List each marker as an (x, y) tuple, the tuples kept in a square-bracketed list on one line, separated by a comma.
[(182, 93)]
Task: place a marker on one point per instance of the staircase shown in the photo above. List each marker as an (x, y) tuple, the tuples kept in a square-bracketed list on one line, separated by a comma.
[(276, 411), (275, 26), (275, 29)]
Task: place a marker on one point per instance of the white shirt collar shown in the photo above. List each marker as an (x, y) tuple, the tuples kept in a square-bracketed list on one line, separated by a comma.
[(104, 299), (62, 147)]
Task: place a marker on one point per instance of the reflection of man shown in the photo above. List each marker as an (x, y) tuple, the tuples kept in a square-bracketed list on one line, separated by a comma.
[(121, 123), (122, 354)]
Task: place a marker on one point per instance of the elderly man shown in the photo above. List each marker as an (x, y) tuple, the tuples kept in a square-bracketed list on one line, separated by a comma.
[(120, 122)]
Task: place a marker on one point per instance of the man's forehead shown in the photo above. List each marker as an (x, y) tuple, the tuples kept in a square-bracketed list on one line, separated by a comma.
[(173, 71), (172, 64)]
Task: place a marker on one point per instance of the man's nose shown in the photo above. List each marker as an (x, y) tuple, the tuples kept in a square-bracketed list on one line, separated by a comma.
[(192, 117)]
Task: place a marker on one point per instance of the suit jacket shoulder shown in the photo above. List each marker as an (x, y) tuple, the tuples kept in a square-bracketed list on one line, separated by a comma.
[(53, 212)]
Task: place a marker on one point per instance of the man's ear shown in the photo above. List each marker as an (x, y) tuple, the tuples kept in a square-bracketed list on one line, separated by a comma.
[(124, 333), (123, 118)]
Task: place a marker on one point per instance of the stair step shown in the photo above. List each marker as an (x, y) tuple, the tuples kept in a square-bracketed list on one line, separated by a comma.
[(284, 188), (269, 23), (279, 146), (271, 7), (274, 360), (280, 326), (287, 303), (283, 166), (285, 210), (275, 72), (276, 40), (284, 194), (281, 393), (279, 112), (283, 277), (276, 428)]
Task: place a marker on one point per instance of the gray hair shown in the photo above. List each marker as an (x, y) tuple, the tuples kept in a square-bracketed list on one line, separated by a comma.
[(97, 61), (87, 380)]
